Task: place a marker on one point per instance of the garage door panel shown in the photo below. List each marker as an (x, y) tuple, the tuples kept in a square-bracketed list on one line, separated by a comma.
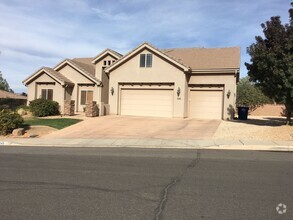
[(147, 102), (205, 104)]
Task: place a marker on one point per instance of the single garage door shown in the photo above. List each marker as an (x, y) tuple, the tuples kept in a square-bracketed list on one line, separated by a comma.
[(205, 104), (147, 102)]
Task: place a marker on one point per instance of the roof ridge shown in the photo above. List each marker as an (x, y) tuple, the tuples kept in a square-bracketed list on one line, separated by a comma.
[(73, 62), (104, 51), (176, 48), (152, 46)]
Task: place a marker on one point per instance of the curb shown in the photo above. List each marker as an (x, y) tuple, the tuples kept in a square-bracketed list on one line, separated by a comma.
[(4, 143), (276, 148)]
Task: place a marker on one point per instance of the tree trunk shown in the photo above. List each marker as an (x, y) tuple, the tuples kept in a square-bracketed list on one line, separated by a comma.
[(288, 114)]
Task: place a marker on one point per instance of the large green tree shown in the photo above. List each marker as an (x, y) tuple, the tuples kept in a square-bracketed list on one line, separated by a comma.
[(4, 84), (271, 64), (248, 94)]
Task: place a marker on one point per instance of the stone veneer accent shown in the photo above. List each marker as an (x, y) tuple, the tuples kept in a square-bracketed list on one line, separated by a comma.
[(69, 107), (92, 109)]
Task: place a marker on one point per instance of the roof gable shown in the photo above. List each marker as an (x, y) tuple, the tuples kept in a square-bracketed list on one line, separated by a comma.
[(81, 66), (105, 53), (52, 73), (140, 48)]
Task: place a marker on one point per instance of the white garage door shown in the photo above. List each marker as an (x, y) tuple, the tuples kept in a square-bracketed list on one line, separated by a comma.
[(147, 102), (205, 104)]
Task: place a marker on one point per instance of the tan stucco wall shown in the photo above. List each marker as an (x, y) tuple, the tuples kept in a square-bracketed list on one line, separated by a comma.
[(77, 78), (229, 82), (35, 88), (160, 72), (102, 76), (93, 88)]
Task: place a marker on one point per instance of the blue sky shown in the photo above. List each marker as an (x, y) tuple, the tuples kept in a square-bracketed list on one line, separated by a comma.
[(36, 33)]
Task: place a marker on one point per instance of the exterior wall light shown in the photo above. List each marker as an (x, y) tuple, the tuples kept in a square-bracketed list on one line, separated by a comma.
[(228, 94), (178, 92), (112, 91)]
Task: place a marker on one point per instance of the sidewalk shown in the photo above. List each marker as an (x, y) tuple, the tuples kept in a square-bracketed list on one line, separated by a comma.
[(154, 143)]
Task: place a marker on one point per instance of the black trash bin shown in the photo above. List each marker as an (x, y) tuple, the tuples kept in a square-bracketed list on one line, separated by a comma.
[(242, 113)]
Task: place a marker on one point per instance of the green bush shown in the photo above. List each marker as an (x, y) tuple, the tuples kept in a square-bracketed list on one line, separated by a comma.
[(9, 120), (43, 107)]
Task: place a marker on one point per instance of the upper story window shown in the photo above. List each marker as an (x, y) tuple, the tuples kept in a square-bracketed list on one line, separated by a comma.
[(108, 62), (146, 60)]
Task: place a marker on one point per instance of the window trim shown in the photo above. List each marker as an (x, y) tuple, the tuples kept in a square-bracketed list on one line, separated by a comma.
[(146, 60), (47, 94), (86, 96)]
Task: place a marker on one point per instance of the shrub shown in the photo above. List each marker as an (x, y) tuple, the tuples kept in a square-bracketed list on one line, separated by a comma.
[(249, 95), (43, 107), (9, 120)]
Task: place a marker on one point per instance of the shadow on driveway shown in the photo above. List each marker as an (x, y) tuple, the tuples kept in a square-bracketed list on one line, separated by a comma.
[(264, 121)]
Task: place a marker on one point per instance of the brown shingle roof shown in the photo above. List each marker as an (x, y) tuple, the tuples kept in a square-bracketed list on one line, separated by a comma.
[(206, 58), (86, 64), (57, 75), (9, 95)]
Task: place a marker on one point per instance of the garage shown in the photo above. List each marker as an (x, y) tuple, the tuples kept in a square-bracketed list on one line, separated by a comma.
[(206, 104), (147, 102)]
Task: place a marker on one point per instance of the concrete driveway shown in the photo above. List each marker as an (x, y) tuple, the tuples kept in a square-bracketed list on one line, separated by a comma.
[(139, 127)]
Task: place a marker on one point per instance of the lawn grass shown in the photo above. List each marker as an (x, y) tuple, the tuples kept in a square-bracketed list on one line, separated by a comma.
[(58, 123)]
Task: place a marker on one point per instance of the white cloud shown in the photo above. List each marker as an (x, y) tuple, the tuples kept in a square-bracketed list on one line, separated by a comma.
[(35, 33)]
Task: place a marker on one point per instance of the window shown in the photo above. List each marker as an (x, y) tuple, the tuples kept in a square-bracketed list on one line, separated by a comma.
[(146, 60), (47, 94), (108, 62), (86, 97), (149, 60)]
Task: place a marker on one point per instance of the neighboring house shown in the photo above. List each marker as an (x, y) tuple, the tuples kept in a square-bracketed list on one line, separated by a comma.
[(181, 82), (11, 100), (9, 95)]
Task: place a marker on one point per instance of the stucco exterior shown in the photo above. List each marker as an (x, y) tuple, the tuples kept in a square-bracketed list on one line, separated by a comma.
[(173, 81), (164, 73), (161, 73), (222, 79), (44, 81), (80, 83)]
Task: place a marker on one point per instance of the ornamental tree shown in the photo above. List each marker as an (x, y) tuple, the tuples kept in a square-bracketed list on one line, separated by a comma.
[(271, 66), (248, 94)]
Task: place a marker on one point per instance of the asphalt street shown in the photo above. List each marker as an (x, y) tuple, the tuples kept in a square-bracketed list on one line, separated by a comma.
[(128, 183)]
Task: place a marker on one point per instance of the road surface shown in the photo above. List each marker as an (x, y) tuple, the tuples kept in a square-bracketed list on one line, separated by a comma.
[(127, 183)]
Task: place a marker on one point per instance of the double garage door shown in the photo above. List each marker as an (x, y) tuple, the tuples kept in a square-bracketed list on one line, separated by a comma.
[(147, 102), (205, 104)]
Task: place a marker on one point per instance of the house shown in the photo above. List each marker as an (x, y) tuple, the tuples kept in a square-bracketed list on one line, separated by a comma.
[(11, 100), (180, 82), (80, 79)]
